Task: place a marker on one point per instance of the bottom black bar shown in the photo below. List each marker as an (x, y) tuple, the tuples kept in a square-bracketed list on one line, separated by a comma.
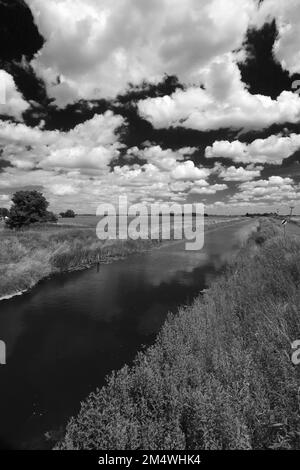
[(134, 459)]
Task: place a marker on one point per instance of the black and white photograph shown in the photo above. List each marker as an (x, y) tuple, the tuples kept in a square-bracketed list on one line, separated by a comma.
[(149, 231)]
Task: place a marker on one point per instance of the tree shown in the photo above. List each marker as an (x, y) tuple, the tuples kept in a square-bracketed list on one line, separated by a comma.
[(3, 212), (28, 207), (51, 217), (68, 214)]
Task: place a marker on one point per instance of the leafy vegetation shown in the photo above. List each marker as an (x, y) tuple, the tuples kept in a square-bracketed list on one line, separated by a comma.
[(69, 214), (219, 375), (29, 207)]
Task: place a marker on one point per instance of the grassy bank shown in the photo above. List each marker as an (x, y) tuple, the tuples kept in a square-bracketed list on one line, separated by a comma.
[(29, 256), (219, 375)]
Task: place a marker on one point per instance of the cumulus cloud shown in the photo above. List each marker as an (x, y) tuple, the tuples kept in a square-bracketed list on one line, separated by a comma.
[(164, 159), (97, 48), (89, 146), (62, 189), (70, 167), (233, 173), (275, 188), (12, 102), (144, 182), (151, 179), (74, 166), (188, 171), (224, 102), (287, 15), (272, 150), (79, 157), (212, 189)]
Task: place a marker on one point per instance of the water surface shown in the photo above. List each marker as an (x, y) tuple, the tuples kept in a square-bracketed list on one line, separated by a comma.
[(65, 335)]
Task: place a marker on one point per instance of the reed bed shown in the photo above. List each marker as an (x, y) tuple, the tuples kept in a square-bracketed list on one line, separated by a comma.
[(28, 256)]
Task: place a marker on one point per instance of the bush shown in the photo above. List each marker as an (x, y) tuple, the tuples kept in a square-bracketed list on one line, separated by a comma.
[(68, 214)]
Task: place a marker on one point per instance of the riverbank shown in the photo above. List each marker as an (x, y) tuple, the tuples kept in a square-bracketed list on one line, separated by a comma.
[(220, 374), (28, 256)]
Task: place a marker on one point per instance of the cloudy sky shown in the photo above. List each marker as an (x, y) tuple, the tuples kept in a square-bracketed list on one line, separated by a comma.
[(159, 100)]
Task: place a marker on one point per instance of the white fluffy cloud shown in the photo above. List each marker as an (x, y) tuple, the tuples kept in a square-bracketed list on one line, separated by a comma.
[(70, 167), (287, 15), (73, 167), (272, 150), (12, 102), (188, 171), (96, 48), (224, 102), (165, 160), (89, 146), (274, 188), (208, 189), (232, 173)]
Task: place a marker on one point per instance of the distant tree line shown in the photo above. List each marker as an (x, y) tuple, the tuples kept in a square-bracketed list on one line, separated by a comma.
[(69, 214), (265, 214)]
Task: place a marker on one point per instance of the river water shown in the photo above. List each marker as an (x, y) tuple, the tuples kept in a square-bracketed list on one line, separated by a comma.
[(69, 332)]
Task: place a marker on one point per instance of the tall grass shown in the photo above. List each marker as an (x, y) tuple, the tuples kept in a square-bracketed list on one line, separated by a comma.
[(31, 255), (219, 375)]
